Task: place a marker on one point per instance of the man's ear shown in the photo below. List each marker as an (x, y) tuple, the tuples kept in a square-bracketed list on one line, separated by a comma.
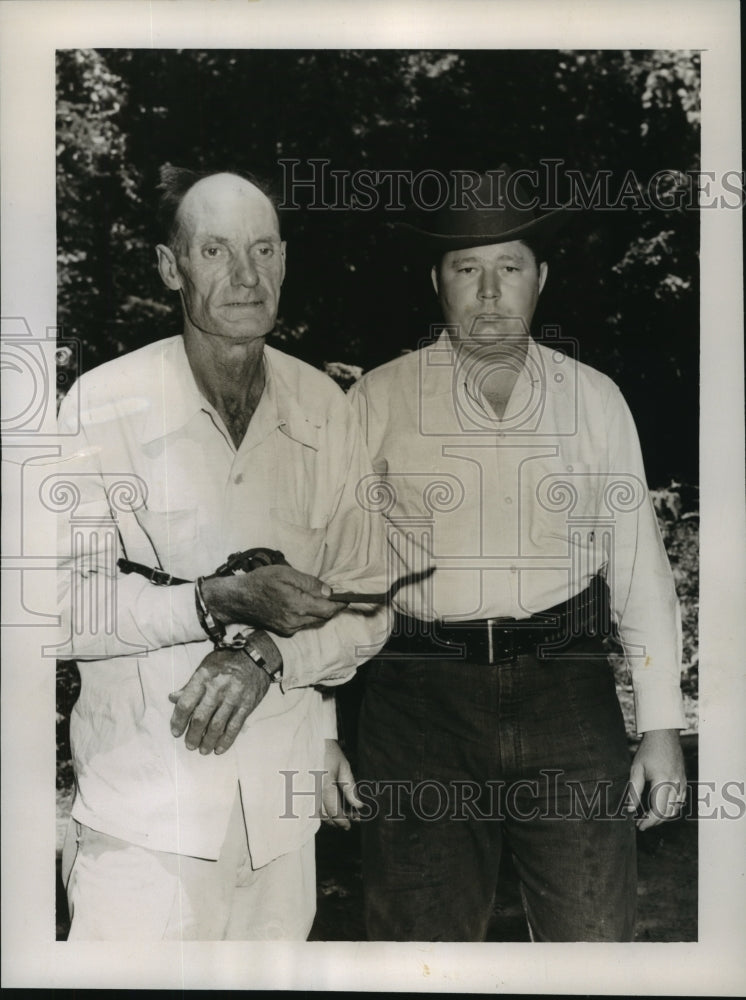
[(283, 248), (543, 272), (434, 278), (167, 268)]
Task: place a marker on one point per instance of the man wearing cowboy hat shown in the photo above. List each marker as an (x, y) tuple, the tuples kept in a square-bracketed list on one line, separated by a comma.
[(491, 717)]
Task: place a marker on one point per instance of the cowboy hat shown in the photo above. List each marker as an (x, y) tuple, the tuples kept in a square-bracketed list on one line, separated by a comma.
[(497, 209)]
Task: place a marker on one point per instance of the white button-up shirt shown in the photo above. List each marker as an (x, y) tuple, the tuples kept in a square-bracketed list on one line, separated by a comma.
[(519, 513), (157, 479)]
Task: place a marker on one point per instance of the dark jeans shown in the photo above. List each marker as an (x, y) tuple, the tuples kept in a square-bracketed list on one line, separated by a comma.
[(461, 758)]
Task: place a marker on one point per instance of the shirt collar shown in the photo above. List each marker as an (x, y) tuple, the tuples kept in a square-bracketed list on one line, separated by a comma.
[(176, 398), (283, 394), (538, 369)]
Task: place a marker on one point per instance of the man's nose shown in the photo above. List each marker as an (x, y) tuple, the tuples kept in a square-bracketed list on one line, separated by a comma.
[(244, 270), (489, 285)]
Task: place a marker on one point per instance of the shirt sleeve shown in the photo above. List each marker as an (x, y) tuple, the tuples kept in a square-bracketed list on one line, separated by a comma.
[(329, 716), (104, 612), (644, 598), (355, 560)]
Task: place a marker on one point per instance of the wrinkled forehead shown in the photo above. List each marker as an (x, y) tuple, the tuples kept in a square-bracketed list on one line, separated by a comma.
[(229, 206)]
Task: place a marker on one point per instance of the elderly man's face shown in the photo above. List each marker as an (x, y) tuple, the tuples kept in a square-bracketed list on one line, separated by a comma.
[(489, 294), (228, 261)]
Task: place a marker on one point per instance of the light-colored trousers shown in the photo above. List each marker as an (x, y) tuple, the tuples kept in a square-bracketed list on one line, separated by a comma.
[(117, 891)]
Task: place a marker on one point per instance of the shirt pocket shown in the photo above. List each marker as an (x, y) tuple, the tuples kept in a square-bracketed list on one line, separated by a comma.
[(562, 498), (301, 544), (172, 539)]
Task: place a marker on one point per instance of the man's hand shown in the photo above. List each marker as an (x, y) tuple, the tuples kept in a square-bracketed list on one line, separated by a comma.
[(337, 787), (277, 598), (659, 760), (218, 698)]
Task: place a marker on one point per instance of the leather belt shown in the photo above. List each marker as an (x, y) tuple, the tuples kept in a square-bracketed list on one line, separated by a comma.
[(157, 576), (503, 640)]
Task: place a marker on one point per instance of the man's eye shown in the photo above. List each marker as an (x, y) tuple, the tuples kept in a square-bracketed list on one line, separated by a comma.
[(466, 270), (264, 250), (212, 251)]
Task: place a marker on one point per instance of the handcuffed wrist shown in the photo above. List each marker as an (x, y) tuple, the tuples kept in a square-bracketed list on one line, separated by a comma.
[(251, 649), (214, 629)]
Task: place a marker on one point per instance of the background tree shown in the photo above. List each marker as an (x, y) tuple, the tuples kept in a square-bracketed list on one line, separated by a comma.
[(623, 283)]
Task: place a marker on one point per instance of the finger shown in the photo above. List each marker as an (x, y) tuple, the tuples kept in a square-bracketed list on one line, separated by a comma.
[(200, 719), (346, 782), (676, 800), (295, 621), (232, 729), (320, 609), (216, 727), (663, 796), (325, 817), (635, 788), (337, 815), (333, 807), (187, 700), (665, 804)]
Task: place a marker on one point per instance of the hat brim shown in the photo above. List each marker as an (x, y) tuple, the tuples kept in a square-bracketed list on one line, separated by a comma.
[(542, 230)]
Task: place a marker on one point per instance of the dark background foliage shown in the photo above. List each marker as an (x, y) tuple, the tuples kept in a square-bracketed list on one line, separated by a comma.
[(623, 283)]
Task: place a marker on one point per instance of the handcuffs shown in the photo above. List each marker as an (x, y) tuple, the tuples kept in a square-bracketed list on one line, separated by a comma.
[(235, 565), (245, 562)]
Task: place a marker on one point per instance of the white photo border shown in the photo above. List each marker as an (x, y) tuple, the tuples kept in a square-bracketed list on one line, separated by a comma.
[(31, 32)]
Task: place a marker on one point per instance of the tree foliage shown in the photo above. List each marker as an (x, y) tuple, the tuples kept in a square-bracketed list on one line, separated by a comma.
[(623, 284)]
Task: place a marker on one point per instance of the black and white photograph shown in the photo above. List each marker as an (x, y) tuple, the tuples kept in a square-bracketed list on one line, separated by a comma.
[(374, 531)]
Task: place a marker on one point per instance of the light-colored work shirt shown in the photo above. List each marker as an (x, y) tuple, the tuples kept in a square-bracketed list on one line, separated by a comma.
[(160, 482), (518, 514)]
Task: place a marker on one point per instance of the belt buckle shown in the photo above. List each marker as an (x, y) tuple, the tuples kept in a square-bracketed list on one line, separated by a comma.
[(160, 577), (508, 648)]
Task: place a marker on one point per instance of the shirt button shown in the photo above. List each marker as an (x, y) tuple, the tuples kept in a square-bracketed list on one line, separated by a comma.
[(508, 499), (238, 479)]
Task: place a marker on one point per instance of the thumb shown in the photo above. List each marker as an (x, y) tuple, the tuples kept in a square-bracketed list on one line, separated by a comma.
[(175, 695), (309, 584)]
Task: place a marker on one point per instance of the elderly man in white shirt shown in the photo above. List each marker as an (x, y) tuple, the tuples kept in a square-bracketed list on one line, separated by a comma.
[(516, 471), (179, 454)]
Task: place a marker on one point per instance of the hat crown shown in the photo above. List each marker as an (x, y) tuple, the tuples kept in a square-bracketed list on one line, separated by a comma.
[(497, 204), (492, 207)]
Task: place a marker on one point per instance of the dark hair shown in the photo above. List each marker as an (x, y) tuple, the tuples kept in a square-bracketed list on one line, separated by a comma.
[(538, 251), (175, 182)]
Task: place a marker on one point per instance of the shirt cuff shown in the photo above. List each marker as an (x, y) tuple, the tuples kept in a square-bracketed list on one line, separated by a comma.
[(658, 708), (167, 615), (329, 717)]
